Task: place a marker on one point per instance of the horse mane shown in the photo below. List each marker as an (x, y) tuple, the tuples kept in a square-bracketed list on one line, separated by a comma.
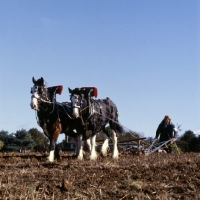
[(56, 89), (86, 91), (92, 91)]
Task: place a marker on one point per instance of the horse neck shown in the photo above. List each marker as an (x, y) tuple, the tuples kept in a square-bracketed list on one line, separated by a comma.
[(86, 109), (47, 108), (64, 109), (85, 106), (47, 112)]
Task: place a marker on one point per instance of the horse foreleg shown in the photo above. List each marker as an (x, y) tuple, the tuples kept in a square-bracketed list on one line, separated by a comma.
[(105, 145), (57, 128), (93, 153), (51, 155), (52, 150), (80, 147), (89, 144), (77, 146), (115, 149)]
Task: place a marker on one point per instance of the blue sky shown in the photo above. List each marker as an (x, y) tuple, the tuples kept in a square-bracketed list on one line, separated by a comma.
[(144, 55)]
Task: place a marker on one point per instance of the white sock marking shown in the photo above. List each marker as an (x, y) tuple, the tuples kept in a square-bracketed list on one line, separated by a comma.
[(115, 149), (93, 154), (51, 156), (105, 145)]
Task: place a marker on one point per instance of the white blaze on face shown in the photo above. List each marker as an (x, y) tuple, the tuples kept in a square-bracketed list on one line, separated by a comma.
[(34, 98), (74, 100), (34, 103)]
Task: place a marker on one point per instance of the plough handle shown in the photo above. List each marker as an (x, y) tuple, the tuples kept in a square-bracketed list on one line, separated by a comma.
[(161, 145)]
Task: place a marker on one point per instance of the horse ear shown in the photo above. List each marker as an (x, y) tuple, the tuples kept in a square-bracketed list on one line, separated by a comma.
[(42, 80), (33, 79), (70, 91)]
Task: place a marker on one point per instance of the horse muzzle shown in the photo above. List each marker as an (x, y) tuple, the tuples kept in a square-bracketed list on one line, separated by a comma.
[(75, 115), (34, 107), (34, 103)]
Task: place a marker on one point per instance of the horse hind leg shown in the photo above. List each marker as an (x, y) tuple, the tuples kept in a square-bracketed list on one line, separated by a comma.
[(115, 149), (80, 144), (93, 153), (105, 146)]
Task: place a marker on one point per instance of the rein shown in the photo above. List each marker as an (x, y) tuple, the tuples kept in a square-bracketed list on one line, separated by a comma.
[(65, 111)]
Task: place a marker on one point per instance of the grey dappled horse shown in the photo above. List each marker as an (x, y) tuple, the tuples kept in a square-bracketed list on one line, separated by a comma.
[(95, 115)]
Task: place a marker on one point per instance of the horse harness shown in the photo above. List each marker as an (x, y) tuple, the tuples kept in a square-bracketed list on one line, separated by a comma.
[(92, 110), (51, 101)]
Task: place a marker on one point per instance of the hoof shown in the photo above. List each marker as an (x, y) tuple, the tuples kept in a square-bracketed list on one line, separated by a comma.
[(104, 154), (115, 156), (80, 157), (94, 157)]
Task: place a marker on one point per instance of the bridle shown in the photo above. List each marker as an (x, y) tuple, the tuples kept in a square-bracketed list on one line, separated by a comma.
[(40, 93), (43, 95), (79, 102), (76, 99)]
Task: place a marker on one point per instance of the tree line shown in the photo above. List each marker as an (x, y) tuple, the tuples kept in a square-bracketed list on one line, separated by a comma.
[(189, 142), (35, 140)]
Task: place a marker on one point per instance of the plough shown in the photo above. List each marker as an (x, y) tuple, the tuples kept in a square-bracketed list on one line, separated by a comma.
[(152, 148), (141, 145)]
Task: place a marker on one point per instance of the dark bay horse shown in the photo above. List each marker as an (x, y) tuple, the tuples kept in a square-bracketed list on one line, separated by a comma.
[(95, 115), (54, 117)]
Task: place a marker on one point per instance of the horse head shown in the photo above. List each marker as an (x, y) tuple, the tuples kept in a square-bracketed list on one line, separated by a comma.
[(77, 99), (42, 94), (80, 99), (39, 93)]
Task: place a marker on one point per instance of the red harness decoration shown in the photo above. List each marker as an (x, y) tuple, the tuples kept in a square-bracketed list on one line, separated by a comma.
[(60, 89)]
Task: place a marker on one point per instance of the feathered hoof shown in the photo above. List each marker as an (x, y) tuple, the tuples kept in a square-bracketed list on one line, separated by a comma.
[(115, 157), (51, 156), (80, 158), (93, 157), (104, 154)]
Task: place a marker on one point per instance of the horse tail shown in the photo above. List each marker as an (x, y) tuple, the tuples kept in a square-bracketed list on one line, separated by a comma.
[(119, 128)]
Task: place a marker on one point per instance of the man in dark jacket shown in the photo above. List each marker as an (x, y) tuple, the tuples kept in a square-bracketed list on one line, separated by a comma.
[(167, 131)]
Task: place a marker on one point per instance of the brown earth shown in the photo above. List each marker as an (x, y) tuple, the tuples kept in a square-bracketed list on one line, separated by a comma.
[(156, 176)]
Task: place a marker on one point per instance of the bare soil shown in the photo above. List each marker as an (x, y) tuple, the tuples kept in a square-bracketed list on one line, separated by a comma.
[(156, 176)]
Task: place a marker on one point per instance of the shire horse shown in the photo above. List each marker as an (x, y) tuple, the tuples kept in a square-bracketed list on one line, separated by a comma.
[(95, 114), (54, 117)]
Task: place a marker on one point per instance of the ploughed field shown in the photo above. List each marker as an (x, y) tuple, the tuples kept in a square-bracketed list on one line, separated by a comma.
[(156, 176)]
